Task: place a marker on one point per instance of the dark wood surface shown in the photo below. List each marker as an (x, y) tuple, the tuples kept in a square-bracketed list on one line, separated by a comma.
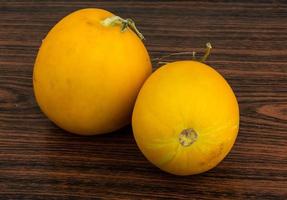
[(40, 161)]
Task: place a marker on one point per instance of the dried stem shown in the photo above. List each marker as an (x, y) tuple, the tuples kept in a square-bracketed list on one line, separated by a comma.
[(193, 55), (124, 23)]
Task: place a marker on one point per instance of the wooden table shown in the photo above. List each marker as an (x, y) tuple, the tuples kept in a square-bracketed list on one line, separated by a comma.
[(40, 161)]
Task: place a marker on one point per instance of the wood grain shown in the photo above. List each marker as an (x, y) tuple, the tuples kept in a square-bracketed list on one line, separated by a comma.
[(40, 161)]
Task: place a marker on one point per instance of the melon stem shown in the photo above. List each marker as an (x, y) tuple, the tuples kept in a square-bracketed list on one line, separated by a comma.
[(207, 52), (124, 23), (193, 55), (187, 137)]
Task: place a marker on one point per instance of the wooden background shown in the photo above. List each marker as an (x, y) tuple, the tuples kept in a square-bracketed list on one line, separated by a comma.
[(40, 161)]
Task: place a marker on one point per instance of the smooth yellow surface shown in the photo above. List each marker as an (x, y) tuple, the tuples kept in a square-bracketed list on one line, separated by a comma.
[(87, 76), (181, 95)]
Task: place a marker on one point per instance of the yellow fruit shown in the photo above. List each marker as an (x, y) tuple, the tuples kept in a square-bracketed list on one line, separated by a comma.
[(186, 118), (88, 72)]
